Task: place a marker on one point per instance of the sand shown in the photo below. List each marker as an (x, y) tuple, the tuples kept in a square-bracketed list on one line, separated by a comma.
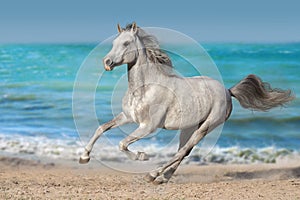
[(26, 179)]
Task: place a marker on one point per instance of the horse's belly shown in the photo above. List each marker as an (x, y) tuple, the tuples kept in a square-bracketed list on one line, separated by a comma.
[(183, 118)]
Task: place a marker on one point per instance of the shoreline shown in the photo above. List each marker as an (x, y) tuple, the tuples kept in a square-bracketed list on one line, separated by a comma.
[(53, 179)]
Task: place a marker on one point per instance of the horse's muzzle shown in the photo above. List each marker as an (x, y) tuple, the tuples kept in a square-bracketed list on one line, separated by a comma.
[(108, 64), (108, 68)]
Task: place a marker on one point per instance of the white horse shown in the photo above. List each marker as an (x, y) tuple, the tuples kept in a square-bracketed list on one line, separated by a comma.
[(156, 98)]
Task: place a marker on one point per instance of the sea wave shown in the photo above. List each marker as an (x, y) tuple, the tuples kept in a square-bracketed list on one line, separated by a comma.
[(17, 98), (261, 119), (71, 148)]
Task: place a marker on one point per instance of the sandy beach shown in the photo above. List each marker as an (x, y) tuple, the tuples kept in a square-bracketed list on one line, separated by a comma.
[(216, 81), (26, 179)]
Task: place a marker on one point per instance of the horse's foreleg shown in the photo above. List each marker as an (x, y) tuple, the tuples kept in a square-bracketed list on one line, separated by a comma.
[(164, 173), (117, 121), (139, 133)]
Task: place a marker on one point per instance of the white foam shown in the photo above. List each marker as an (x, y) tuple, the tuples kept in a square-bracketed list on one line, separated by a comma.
[(71, 149)]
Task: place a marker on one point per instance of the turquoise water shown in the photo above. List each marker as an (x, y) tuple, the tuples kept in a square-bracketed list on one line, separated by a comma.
[(36, 85)]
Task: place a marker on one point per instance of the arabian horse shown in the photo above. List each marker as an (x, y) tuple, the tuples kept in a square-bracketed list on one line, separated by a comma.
[(157, 98)]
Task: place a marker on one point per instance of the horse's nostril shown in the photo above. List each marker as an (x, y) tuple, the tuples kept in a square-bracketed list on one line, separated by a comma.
[(108, 61)]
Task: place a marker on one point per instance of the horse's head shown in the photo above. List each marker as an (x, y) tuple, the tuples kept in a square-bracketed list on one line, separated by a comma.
[(124, 50)]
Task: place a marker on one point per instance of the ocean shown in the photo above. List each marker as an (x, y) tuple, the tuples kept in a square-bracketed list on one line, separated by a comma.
[(37, 118)]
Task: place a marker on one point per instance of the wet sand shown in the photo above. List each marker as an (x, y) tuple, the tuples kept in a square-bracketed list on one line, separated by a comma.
[(27, 179)]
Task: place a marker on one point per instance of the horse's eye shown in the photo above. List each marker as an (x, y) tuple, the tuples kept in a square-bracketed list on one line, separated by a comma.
[(126, 43)]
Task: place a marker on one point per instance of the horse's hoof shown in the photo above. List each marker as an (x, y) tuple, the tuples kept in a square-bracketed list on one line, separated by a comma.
[(149, 178), (142, 156), (84, 160), (160, 180)]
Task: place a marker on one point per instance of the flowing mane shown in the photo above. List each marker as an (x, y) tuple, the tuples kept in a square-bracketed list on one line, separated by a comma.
[(153, 51)]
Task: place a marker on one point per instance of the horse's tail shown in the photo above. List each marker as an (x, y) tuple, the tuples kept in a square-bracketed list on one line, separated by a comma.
[(254, 94)]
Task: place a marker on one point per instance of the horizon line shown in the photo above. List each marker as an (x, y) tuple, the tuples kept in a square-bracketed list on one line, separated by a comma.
[(199, 41)]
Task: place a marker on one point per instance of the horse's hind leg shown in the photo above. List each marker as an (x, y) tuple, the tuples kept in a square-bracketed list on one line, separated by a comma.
[(164, 173), (185, 135), (117, 121)]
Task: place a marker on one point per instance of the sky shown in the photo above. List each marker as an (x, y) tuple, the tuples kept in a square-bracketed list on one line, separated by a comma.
[(37, 21)]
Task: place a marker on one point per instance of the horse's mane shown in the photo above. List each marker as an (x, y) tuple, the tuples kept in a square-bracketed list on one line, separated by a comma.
[(154, 53)]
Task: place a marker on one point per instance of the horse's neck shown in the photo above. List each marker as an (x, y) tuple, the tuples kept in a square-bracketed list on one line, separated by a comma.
[(141, 73), (138, 73)]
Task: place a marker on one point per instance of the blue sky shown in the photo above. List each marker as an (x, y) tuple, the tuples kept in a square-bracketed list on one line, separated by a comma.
[(93, 21)]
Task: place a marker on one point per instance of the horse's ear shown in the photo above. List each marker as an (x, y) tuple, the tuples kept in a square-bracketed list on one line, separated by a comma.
[(119, 28), (134, 27)]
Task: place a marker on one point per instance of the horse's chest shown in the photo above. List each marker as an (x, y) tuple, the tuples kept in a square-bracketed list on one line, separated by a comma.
[(136, 109)]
